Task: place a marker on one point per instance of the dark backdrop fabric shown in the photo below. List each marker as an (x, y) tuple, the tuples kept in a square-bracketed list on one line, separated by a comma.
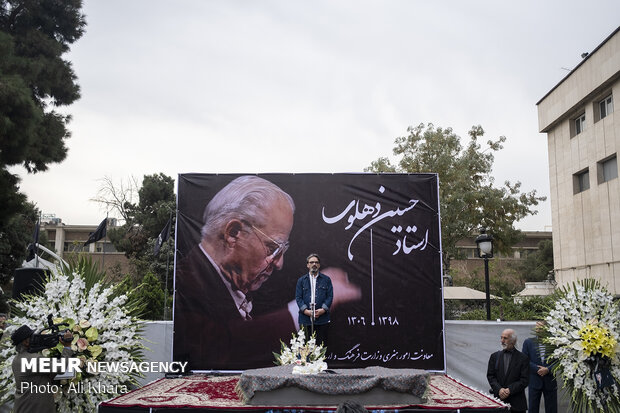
[(383, 230)]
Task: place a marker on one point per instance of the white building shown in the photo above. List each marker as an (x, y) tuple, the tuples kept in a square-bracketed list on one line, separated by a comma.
[(583, 133)]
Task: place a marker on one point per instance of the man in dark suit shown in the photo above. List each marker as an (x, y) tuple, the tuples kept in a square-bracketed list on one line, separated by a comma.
[(542, 381), (507, 373), (244, 238), (314, 294)]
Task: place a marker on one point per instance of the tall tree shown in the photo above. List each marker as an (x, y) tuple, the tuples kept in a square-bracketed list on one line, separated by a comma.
[(118, 198), (468, 196), (144, 220), (15, 234), (34, 79)]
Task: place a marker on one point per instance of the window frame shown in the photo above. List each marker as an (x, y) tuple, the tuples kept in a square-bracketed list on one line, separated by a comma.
[(577, 123), (606, 106), (602, 166), (580, 123), (579, 184)]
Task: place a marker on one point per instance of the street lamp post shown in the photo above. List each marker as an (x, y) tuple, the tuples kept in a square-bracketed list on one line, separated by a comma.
[(485, 250)]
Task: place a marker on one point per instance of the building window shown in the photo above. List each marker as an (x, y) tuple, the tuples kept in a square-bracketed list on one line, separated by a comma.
[(606, 106), (466, 253), (581, 181), (607, 169), (580, 123), (75, 246), (523, 253), (104, 247)]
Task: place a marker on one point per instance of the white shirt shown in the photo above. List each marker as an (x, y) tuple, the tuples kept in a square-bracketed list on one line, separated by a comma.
[(313, 289)]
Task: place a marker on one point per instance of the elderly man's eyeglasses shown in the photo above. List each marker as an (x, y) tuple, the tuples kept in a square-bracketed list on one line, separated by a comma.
[(274, 250)]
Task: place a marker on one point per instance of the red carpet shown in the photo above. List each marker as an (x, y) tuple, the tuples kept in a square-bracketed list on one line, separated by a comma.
[(218, 392)]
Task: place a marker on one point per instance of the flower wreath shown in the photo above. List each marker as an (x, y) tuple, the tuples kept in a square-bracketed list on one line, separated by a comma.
[(105, 327), (581, 336)]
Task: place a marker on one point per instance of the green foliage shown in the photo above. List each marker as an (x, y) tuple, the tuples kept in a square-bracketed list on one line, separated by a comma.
[(82, 292), (15, 235), (468, 197), (145, 219), (84, 264), (92, 274), (151, 293), (12, 202), (454, 309), (156, 201), (34, 78), (125, 286), (533, 308), (536, 266), (158, 265), (503, 279), (505, 286), (34, 35)]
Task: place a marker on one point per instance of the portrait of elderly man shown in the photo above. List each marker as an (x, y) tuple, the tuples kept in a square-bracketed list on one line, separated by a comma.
[(244, 239)]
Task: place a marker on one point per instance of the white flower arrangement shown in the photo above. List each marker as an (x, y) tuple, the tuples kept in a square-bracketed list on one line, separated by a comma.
[(310, 368), (582, 334), (307, 356), (105, 328)]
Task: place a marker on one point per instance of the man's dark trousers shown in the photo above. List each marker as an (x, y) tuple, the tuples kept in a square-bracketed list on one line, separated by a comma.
[(539, 386)]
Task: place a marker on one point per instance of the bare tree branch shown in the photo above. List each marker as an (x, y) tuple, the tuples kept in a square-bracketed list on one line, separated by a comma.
[(117, 198)]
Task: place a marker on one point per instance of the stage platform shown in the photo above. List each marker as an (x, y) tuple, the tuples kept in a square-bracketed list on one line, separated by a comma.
[(204, 393)]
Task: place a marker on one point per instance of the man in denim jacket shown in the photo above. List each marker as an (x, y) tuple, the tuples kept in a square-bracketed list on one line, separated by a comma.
[(314, 291)]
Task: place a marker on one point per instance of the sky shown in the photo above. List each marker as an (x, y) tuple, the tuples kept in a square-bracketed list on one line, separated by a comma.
[(241, 86)]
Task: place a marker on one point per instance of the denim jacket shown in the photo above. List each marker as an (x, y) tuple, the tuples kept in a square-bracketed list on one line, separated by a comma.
[(324, 296)]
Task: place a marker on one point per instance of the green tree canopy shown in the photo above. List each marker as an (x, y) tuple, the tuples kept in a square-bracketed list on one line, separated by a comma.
[(151, 293), (34, 79), (536, 265), (15, 236), (144, 220), (468, 196)]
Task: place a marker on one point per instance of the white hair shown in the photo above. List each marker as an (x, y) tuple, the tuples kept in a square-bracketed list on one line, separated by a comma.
[(247, 198), (512, 336)]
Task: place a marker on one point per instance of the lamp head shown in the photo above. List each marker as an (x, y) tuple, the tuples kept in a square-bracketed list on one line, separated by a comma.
[(484, 242)]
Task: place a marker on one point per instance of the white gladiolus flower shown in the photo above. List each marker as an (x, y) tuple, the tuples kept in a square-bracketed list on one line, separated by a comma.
[(584, 320), (117, 333), (307, 356)]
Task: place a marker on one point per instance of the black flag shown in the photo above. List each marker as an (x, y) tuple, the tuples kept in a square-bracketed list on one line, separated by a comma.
[(163, 237), (33, 248), (99, 233)]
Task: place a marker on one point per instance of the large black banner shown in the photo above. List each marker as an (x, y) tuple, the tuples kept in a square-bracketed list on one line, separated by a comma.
[(378, 238)]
